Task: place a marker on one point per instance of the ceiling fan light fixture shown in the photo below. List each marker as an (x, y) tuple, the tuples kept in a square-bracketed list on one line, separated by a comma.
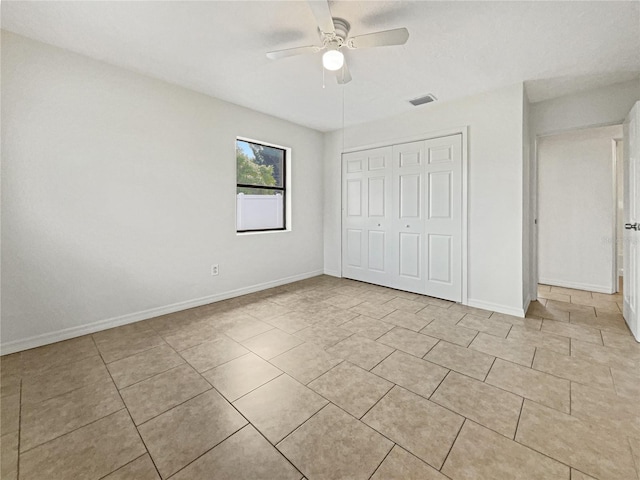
[(333, 60)]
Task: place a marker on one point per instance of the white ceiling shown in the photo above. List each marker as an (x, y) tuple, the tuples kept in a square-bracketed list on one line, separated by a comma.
[(455, 49)]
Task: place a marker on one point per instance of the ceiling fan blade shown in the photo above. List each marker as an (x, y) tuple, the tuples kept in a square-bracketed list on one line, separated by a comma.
[(398, 36), (343, 75), (290, 52), (320, 9)]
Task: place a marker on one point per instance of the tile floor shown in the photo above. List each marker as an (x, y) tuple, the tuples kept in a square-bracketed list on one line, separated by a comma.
[(329, 378)]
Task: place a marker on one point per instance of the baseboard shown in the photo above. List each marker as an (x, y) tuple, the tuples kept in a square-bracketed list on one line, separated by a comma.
[(72, 332), (576, 286), (333, 273), (516, 312)]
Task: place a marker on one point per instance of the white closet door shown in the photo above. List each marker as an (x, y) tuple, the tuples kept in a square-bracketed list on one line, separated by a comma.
[(408, 217), (366, 216), (443, 217), (402, 217)]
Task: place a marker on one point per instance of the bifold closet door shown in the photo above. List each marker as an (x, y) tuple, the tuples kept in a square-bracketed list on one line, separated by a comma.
[(366, 215), (443, 217), (407, 227), (402, 217)]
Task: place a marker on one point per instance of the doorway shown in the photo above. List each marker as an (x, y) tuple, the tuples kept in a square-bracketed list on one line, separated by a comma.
[(578, 203)]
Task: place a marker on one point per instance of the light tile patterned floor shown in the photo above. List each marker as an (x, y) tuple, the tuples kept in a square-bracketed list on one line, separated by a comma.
[(327, 379)]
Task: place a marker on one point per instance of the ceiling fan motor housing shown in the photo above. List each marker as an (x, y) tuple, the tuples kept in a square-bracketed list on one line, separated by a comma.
[(341, 27)]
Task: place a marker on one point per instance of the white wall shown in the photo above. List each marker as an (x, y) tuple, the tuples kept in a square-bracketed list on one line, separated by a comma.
[(607, 105), (576, 216), (495, 192), (118, 193), (593, 108)]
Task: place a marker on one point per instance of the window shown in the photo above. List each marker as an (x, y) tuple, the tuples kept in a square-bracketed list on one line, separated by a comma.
[(261, 187)]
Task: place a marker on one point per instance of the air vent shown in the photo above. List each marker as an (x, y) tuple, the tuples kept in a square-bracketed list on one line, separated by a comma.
[(422, 100)]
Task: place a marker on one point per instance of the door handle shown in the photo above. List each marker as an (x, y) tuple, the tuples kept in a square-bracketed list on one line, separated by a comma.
[(631, 226)]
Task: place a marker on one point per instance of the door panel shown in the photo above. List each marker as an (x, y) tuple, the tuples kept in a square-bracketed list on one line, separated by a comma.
[(354, 198), (443, 225), (440, 154), (377, 197), (440, 259), (440, 195), (354, 166), (631, 210), (410, 155), (376, 250), (366, 213), (408, 216), (354, 248), (410, 255), (410, 196), (378, 162)]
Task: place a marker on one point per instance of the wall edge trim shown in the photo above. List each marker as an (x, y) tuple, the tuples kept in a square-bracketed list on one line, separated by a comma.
[(576, 286), (496, 307), (93, 327)]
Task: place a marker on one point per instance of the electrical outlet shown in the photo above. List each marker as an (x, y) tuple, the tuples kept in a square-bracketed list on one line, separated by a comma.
[(214, 269)]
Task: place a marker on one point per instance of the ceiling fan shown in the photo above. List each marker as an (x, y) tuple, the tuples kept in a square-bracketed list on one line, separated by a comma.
[(334, 36)]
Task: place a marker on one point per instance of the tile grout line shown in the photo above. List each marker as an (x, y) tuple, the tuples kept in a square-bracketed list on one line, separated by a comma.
[(208, 450), (484, 380), (486, 376), (382, 461), (440, 383), (387, 356), (75, 429), (515, 432), (128, 413), (250, 391), (19, 429), (453, 443), (128, 463), (322, 374)]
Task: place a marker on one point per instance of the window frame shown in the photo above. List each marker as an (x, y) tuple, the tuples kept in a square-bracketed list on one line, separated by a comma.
[(285, 189)]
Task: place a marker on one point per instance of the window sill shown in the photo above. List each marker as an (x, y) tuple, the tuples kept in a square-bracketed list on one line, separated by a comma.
[(262, 232)]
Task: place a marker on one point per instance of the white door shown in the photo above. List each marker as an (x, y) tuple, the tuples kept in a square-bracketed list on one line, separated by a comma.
[(632, 217), (402, 217), (443, 217), (408, 217), (366, 216)]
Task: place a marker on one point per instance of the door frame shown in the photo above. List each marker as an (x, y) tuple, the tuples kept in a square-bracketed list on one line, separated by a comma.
[(535, 199), (464, 132)]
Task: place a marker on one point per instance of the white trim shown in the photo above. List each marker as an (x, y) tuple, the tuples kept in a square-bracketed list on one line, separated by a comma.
[(577, 286), (52, 337), (578, 129), (288, 220), (464, 132), (413, 138), (614, 227), (333, 273), (494, 307), (525, 307)]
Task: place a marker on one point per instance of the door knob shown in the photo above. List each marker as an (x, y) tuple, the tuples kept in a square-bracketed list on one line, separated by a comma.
[(378, 224), (407, 226), (631, 226)]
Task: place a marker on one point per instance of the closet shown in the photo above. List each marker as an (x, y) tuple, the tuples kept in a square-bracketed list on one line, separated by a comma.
[(402, 216)]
